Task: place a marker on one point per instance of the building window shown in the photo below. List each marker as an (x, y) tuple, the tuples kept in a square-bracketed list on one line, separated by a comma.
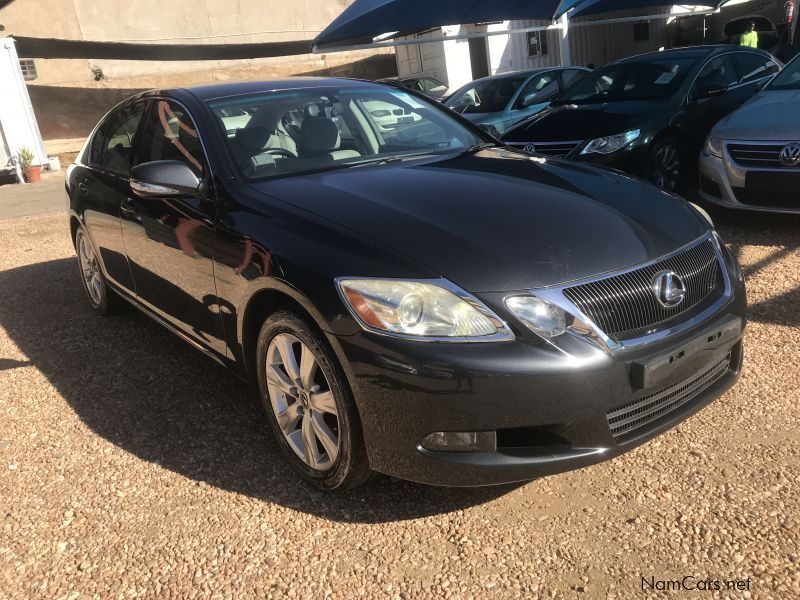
[(537, 43), (28, 68), (641, 31)]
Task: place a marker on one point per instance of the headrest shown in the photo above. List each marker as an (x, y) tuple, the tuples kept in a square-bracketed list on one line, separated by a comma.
[(253, 139), (319, 135)]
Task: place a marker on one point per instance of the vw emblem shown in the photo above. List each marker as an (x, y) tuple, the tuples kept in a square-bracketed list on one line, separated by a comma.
[(530, 149), (790, 155), (669, 289)]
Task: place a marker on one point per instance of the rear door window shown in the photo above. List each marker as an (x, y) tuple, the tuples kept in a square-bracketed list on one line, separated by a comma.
[(572, 76), (752, 67), (539, 89)]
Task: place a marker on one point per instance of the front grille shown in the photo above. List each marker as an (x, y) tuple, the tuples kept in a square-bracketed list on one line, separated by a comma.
[(627, 418), (765, 156), (554, 149), (622, 305)]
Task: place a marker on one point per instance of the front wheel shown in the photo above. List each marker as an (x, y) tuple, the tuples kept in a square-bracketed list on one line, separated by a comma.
[(664, 166), (309, 405)]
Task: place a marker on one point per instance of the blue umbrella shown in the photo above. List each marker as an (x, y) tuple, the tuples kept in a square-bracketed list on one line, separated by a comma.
[(364, 20)]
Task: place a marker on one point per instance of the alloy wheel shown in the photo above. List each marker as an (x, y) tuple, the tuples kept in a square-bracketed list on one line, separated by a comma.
[(90, 270), (666, 167), (302, 401)]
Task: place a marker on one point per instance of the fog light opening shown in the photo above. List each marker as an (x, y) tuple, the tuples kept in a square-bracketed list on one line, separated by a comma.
[(460, 441)]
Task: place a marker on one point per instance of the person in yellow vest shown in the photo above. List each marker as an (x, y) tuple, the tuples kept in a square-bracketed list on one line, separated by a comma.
[(750, 37)]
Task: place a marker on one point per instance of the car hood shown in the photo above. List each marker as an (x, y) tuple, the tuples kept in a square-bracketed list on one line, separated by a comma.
[(499, 220), (770, 115), (585, 121)]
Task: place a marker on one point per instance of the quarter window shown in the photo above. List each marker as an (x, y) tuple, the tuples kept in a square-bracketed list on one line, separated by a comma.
[(112, 145), (169, 134)]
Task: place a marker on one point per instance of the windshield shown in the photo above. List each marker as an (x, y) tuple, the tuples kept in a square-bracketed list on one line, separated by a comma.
[(646, 80), (296, 131), (788, 78), (487, 96)]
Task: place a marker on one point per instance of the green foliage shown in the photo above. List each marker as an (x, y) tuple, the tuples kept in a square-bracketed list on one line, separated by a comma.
[(26, 157)]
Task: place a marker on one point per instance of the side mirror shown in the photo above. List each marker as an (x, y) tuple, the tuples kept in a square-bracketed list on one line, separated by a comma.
[(528, 100), (164, 178), (711, 90), (490, 129)]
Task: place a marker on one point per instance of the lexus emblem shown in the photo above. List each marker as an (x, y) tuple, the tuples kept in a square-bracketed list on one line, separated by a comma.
[(669, 289), (530, 149), (790, 155)]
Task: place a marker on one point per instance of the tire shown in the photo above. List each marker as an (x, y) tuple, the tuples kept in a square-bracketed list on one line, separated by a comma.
[(103, 300), (665, 165), (306, 402)]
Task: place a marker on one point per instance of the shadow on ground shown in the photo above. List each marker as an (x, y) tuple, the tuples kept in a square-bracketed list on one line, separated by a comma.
[(140, 387)]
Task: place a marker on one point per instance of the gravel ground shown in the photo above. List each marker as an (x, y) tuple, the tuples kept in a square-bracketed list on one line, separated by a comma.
[(132, 466)]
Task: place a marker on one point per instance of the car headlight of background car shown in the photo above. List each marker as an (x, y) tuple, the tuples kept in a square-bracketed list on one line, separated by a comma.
[(611, 143), (433, 309), (713, 146)]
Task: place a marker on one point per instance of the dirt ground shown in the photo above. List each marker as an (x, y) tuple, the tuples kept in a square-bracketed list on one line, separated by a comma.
[(132, 466)]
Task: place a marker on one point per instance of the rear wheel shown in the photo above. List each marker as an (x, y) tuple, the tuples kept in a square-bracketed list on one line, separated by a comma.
[(309, 405), (102, 299), (664, 167)]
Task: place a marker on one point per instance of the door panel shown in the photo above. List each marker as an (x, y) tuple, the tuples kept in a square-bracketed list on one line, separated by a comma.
[(102, 186), (702, 114), (170, 241)]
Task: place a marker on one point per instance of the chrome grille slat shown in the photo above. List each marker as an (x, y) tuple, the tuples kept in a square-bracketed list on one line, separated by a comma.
[(757, 155), (625, 303), (629, 417)]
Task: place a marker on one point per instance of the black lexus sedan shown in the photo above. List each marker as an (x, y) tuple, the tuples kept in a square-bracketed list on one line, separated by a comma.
[(648, 115), (413, 300)]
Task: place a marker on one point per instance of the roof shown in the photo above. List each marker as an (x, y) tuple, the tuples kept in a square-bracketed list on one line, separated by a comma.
[(210, 91), (687, 52)]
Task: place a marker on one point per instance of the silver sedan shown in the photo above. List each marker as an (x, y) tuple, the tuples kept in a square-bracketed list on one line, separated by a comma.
[(751, 159)]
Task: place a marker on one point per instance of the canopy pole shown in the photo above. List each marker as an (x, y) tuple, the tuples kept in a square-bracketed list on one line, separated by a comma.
[(566, 56)]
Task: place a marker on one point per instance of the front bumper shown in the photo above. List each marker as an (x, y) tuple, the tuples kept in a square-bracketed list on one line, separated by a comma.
[(724, 182), (551, 411)]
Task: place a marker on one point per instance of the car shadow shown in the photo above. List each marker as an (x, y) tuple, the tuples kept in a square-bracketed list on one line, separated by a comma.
[(143, 389)]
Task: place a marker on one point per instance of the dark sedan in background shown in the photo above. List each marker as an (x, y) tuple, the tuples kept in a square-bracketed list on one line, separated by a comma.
[(416, 301), (648, 115)]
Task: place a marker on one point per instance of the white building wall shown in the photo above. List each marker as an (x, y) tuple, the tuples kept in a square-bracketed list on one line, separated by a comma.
[(602, 44), (457, 59), (510, 53), (17, 120)]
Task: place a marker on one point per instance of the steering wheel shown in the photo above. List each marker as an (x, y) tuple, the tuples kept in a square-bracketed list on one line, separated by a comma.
[(280, 152)]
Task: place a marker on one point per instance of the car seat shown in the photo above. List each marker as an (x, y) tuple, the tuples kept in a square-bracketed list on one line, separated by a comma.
[(320, 138)]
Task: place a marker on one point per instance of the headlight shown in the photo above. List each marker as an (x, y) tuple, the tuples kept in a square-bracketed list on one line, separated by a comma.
[(713, 146), (420, 310), (611, 143), (540, 316)]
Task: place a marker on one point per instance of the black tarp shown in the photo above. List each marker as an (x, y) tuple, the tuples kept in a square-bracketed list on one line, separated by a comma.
[(28, 47)]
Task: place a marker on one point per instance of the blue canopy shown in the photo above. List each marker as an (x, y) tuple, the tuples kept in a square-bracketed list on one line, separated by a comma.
[(364, 20)]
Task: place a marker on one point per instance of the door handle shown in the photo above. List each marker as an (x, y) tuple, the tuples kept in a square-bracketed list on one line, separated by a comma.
[(126, 207)]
